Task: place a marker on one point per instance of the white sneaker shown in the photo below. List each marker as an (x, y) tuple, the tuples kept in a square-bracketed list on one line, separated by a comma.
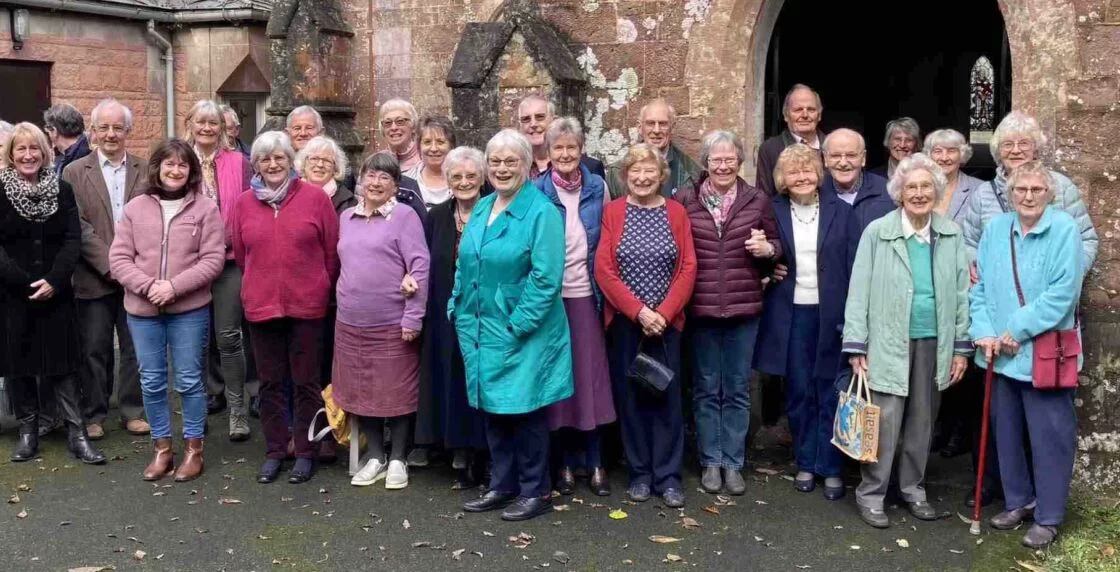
[(398, 476), (371, 472)]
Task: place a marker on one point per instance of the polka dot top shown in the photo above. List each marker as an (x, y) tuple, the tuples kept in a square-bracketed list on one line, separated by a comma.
[(647, 254)]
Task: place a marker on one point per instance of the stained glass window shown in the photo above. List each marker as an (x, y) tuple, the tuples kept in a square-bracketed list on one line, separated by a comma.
[(982, 99)]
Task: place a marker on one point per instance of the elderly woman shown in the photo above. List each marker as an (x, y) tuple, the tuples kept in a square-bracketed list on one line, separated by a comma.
[(906, 328), (646, 267), (377, 359), (445, 415), (1017, 140), (1030, 282), (285, 234), (225, 176), (509, 316), (437, 137), (166, 277), (737, 242), (803, 313), (322, 163), (397, 121), (900, 140), (580, 196), (40, 242)]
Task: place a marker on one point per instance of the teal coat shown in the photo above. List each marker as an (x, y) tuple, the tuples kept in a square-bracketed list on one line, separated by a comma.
[(877, 314), (507, 308)]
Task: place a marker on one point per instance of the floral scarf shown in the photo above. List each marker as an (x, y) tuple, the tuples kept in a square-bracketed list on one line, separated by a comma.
[(272, 197), (718, 204), (571, 185), (35, 203)]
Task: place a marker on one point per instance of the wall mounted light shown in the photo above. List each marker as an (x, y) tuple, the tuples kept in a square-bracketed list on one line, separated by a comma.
[(20, 26)]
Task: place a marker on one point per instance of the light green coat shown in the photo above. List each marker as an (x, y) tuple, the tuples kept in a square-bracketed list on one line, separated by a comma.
[(877, 313)]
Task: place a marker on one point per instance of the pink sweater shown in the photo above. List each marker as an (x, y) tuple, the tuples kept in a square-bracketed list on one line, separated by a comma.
[(191, 256)]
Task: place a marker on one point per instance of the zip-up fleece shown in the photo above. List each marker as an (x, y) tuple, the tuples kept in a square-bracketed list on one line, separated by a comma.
[(190, 255)]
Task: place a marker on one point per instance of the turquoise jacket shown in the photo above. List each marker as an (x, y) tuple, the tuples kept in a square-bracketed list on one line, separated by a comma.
[(1050, 260), (877, 314), (507, 308)]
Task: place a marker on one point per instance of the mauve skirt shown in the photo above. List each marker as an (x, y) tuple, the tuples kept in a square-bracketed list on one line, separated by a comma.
[(592, 403), (375, 372)]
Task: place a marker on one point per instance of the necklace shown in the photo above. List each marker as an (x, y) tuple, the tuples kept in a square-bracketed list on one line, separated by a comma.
[(460, 219), (816, 211)]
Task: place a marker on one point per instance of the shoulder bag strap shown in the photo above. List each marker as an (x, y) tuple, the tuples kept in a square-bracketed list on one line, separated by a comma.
[(1015, 267)]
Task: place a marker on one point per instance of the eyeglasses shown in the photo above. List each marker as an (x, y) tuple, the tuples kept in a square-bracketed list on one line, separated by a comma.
[(301, 129), (278, 160), (1025, 145), (527, 119), (509, 163), (399, 122), (320, 161), (1032, 191), (918, 187), (717, 162), (103, 129), (851, 157)]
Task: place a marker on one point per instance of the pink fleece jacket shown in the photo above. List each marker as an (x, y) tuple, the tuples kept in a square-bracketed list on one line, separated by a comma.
[(191, 256), (233, 172)]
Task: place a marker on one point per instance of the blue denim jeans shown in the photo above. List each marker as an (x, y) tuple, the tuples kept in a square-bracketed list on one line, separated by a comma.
[(810, 401), (186, 336), (721, 395)]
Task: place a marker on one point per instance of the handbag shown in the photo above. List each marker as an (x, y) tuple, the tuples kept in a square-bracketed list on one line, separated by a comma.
[(648, 372), (1055, 352), (338, 422), (855, 428)]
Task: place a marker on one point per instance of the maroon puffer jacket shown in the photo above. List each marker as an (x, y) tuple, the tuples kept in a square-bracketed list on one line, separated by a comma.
[(728, 278)]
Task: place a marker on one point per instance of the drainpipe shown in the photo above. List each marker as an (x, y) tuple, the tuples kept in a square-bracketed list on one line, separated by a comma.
[(161, 15), (169, 71)]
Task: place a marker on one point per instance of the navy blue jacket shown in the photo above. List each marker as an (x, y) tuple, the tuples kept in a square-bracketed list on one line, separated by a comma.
[(408, 193), (838, 233), (872, 200), (590, 214)]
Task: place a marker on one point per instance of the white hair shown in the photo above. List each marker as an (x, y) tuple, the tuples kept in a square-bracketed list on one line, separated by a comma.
[(948, 138), (798, 87), (511, 140), (911, 164), (305, 110), (658, 101), (267, 143), (1017, 123), (396, 104), (537, 97), (227, 110), (844, 131), (461, 155), (563, 126), (907, 125), (719, 137), (105, 104), (323, 143)]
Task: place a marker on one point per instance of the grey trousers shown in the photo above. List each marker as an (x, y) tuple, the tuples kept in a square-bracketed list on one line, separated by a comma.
[(226, 357), (905, 430)]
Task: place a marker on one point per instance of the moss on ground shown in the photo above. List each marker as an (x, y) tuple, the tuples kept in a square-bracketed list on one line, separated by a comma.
[(1088, 542)]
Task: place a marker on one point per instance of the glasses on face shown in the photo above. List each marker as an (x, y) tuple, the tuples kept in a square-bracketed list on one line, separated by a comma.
[(206, 123), (1022, 191), (469, 178), (536, 118), (274, 160), (376, 177), (654, 124), (850, 157), (1025, 145), (321, 161), (105, 129), (915, 188), (509, 163), (720, 162), (398, 121)]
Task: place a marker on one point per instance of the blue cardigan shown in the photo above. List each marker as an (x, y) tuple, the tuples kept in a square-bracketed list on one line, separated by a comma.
[(590, 214)]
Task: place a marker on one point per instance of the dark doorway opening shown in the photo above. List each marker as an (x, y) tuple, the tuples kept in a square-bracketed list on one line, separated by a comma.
[(32, 97), (871, 63)]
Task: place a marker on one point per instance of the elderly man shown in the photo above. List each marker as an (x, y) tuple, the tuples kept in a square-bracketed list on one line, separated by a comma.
[(233, 130), (66, 128), (802, 112), (534, 114), (303, 124), (901, 140), (655, 127), (104, 181), (845, 156)]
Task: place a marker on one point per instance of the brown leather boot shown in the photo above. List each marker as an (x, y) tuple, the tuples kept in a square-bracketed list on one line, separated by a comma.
[(191, 467), (163, 461)]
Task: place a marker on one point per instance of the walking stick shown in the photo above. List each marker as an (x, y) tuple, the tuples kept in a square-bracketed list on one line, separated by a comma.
[(975, 528)]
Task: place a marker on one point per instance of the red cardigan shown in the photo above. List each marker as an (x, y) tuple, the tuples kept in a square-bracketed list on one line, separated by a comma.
[(618, 297), (289, 256)]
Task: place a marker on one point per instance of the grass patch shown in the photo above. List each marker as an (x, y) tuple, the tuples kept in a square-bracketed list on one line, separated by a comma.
[(1089, 541)]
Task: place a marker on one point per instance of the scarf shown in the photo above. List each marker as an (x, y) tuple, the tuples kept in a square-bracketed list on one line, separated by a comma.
[(718, 204), (571, 185), (409, 157), (272, 197), (331, 188), (35, 203), (209, 174)]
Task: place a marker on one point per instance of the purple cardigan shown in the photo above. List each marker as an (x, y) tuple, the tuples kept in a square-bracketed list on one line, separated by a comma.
[(376, 253)]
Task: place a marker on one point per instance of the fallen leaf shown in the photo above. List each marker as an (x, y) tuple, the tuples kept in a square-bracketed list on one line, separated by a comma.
[(477, 553), (458, 554), (562, 507), (139, 554), (487, 533), (23, 488), (92, 569), (22, 514), (136, 540), (673, 558), (421, 544), (838, 527), (663, 539), (711, 510), (561, 557), (286, 499), (1029, 566), (760, 502), (766, 471), (854, 547), (964, 518), (14, 499), (802, 566), (902, 543), (407, 525), (228, 501), (65, 523), (522, 540), (788, 478), (690, 523), (323, 491), (159, 493), (628, 562), (263, 537), (979, 541), (956, 551), (1108, 550), (618, 514), (577, 500), (173, 519), (160, 557)]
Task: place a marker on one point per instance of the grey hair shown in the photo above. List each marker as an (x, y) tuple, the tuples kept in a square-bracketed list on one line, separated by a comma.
[(537, 97), (1017, 123), (844, 131), (397, 104), (911, 164), (267, 143), (461, 155), (105, 104), (800, 86), (226, 109), (948, 138), (5, 127), (304, 110), (907, 125), (562, 126), (321, 143), (1028, 169), (659, 101), (206, 107), (66, 119), (511, 140), (720, 137)]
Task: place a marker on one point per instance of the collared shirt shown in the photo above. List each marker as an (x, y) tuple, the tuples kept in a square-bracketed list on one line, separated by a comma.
[(385, 210), (849, 196), (114, 176), (908, 229), (815, 145)]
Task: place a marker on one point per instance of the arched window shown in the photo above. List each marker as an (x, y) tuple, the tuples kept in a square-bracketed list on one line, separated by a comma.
[(982, 100)]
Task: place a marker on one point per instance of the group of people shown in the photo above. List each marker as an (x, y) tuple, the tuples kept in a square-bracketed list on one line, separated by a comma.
[(506, 305)]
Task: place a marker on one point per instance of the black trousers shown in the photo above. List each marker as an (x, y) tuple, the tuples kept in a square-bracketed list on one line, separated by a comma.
[(519, 454), (101, 375), (24, 393)]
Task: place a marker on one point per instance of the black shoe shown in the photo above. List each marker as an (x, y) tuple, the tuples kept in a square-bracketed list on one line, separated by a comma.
[(565, 481), (215, 404), (599, 482), (489, 501), (270, 470), (638, 492), (833, 493), (875, 517), (526, 508), (673, 498), (28, 446), (255, 406), (955, 447), (986, 498), (302, 471), (81, 447), (805, 486)]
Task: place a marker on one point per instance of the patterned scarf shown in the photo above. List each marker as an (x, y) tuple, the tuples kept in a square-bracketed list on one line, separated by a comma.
[(209, 174), (571, 185), (718, 204), (35, 203), (272, 197)]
